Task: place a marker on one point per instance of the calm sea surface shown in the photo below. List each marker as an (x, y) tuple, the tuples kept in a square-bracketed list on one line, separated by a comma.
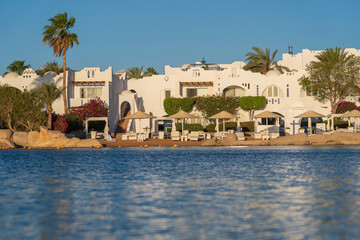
[(181, 193)]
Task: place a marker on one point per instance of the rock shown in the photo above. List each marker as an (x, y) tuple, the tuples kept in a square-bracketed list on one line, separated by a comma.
[(6, 134), (6, 143), (20, 138), (51, 139)]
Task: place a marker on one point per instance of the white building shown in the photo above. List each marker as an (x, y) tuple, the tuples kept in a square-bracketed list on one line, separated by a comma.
[(282, 91)]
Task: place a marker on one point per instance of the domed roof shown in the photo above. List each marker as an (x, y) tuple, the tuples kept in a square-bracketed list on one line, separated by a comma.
[(51, 73), (11, 75), (272, 73), (126, 93)]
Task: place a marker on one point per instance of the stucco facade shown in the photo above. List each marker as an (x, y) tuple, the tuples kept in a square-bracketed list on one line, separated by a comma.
[(282, 91)]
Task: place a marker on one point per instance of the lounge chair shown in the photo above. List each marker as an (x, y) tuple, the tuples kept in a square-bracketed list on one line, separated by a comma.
[(194, 136), (219, 135), (132, 136), (256, 135), (274, 135), (175, 136), (240, 136)]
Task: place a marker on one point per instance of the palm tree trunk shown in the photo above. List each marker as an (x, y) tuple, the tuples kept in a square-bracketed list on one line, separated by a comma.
[(64, 84), (49, 122)]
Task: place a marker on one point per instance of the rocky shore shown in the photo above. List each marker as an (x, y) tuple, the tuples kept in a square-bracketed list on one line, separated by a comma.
[(43, 139), (54, 139)]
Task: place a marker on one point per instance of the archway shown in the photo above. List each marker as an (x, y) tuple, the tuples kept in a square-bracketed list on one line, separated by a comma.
[(125, 110), (234, 91)]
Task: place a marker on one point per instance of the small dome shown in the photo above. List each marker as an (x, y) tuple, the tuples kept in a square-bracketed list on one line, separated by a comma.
[(126, 93), (51, 73), (272, 73), (11, 75)]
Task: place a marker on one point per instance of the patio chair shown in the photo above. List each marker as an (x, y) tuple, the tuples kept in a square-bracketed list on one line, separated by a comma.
[(265, 135), (175, 136), (194, 136), (240, 136), (161, 134)]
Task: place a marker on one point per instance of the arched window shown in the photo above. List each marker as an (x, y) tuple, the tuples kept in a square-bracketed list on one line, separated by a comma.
[(273, 91), (234, 91)]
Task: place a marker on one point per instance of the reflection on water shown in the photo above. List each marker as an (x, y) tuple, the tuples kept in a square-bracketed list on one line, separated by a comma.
[(183, 193)]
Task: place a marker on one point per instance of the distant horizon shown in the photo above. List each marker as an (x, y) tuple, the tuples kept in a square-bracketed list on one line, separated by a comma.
[(155, 34)]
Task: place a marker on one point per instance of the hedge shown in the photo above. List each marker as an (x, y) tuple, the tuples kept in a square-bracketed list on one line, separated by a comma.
[(189, 126), (245, 126), (174, 105), (211, 105)]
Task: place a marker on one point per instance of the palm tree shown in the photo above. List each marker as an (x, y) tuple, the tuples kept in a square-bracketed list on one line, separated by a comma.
[(134, 72), (262, 62), (150, 71), (333, 56), (17, 66), (50, 67), (48, 93), (58, 36)]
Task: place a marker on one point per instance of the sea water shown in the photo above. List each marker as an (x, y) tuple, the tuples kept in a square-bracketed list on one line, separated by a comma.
[(181, 193)]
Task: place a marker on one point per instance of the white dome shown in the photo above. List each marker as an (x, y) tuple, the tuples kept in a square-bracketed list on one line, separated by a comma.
[(51, 73), (126, 93), (11, 75), (272, 73)]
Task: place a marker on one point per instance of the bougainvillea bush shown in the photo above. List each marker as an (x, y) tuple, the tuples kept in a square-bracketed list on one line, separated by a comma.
[(61, 124), (345, 107), (74, 120)]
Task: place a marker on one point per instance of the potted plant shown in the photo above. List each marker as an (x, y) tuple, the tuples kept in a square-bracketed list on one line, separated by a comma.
[(301, 130)]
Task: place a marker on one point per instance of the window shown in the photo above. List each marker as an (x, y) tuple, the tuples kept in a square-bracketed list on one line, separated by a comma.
[(234, 92), (90, 92), (191, 92), (167, 94), (273, 91)]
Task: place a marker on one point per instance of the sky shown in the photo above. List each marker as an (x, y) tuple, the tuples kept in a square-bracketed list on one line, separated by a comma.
[(156, 33)]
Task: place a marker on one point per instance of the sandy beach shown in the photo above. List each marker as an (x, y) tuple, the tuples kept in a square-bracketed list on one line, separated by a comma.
[(230, 140)]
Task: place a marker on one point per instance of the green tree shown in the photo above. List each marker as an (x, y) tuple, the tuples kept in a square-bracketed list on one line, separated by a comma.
[(58, 36), (150, 71), (47, 94), (333, 77), (262, 62), (17, 66), (252, 103), (20, 110), (8, 98), (134, 72), (28, 113)]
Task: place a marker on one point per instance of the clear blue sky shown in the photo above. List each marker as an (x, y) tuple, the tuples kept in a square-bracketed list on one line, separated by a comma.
[(156, 33)]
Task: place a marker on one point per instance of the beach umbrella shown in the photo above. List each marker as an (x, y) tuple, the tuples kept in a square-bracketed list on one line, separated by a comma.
[(222, 115), (310, 114), (182, 115), (140, 115), (352, 114), (267, 115)]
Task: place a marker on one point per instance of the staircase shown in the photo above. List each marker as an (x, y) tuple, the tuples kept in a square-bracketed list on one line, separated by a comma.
[(122, 125)]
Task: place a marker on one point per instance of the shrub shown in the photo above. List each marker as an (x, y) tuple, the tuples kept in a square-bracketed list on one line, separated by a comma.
[(251, 103), (61, 123), (345, 107), (210, 105), (190, 127), (174, 105), (228, 125)]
